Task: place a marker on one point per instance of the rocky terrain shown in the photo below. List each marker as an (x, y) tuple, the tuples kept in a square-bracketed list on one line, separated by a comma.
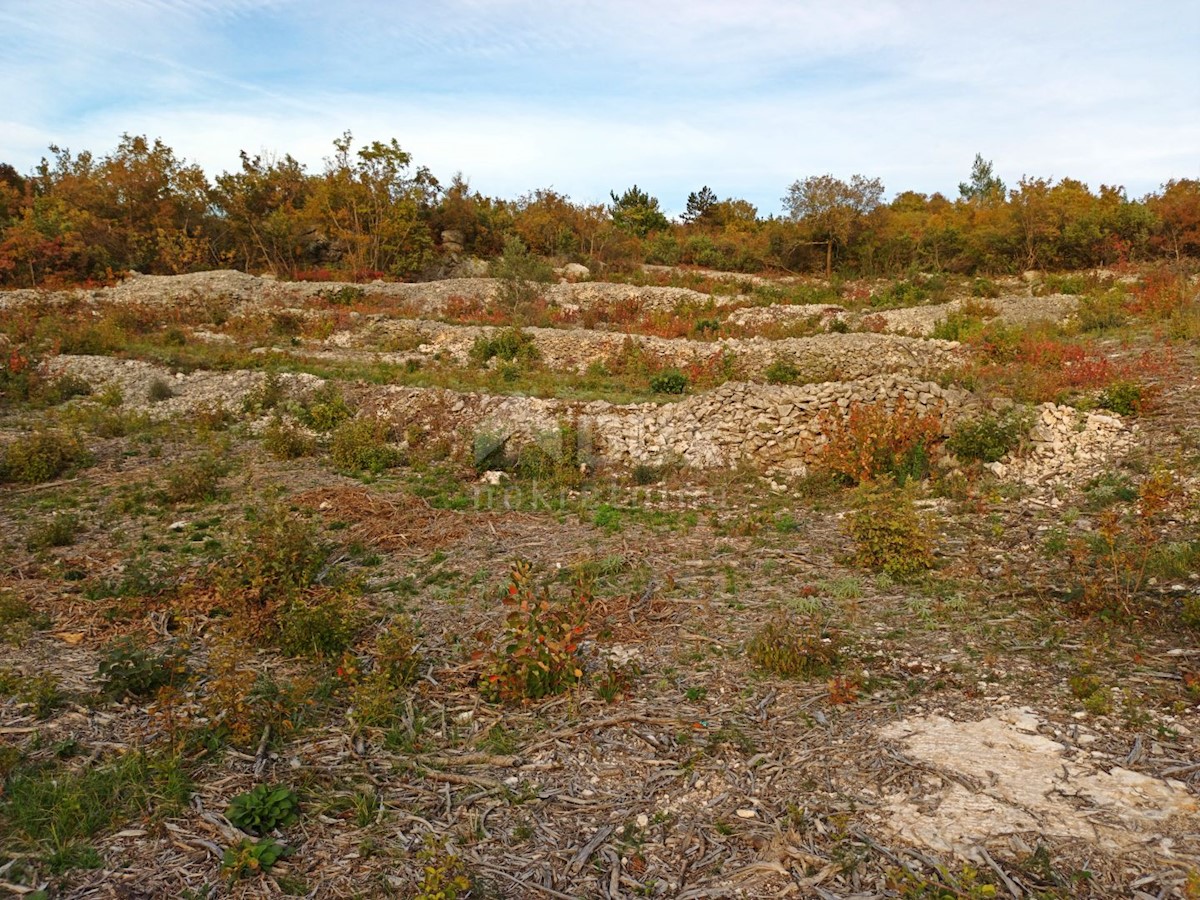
[(973, 674)]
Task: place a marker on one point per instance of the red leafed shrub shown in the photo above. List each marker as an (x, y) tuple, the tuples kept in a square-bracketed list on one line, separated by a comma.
[(874, 440)]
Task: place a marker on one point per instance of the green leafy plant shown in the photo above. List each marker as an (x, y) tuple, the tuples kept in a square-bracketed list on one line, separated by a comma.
[(128, 668), (246, 857), (57, 531), (194, 480), (159, 390), (267, 395), (1122, 396), (264, 808), (508, 344), (782, 371), (890, 535), (320, 624), (669, 381), (284, 440), (540, 651), (325, 409), (443, 874), (988, 437), (346, 295)]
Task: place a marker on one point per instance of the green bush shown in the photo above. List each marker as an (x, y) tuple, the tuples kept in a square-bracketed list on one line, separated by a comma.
[(267, 395), (346, 295), (264, 809), (159, 391), (319, 625), (362, 445), (325, 409), (62, 389), (985, 287), (890, 535), (782, 371), (42, 456), (508, 344), (1122, 396), (988, 437), (276, 557), (669, 381), (1101, 312), (521, 274), (286, 441)]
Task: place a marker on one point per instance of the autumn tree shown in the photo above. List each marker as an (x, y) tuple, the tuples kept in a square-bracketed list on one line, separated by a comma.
[(374, 210), (1177, 210), (265, 216), (831, 208)]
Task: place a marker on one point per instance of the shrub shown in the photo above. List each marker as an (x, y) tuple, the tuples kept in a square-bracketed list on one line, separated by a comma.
[(540, 652), (362, 445), (890, 535), (42, 456), (508, 344), (984, 287), (1102, 312), (263, 809), (346, 295), (1122, 396), (277, 556), (521, 274), (873, 440), (669, 381), (58, 531), (988, 437), (195, 480), (785, 648), (284, 440), (325, 409), (62, 389), (128, 668), (159, 390), (267, 395), (18, 618), (319, 624), (782, 371)]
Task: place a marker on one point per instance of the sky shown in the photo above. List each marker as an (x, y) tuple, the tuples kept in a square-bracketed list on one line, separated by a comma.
[(588, 96)]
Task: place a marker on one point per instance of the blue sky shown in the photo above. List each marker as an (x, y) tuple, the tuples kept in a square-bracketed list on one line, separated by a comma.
[(585, 97)]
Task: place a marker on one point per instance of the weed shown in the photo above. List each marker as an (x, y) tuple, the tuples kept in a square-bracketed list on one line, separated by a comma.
[(55, 809), (319, 624), (786, 648), (247, 857), (42, 692), (607, 517), (874, 440), (325, 409), (540, 653), (18, 618), (362, 445), (508, 344), (58, 531), (130, 669), (42, 456), (62, 389), (346, 295), (263, 809), (195, 480), (1122, 396), (985, 287), (443, 874), (266, 396), (889, 534)]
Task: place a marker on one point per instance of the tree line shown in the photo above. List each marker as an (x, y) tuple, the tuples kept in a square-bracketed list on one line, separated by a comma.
[(370, 213)]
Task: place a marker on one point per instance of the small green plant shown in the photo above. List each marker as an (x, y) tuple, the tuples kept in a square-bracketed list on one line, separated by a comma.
[(784, 647), (18, 618), (508, 344), (1122, 396), (159, 390), (42, 456), (988, 437), (1102, 312), (42, 692), (62, 389), (128, 668), (539, 655), (57, 531), (669, 381), (246, 857), (284, 440), (263, 809), (889, 534), (1189, 613), (443, 874), (362, 445), (782, 371), (985, 287), (325, 409), (346, 295), (607, 517), (266, 396), (521, 275)]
